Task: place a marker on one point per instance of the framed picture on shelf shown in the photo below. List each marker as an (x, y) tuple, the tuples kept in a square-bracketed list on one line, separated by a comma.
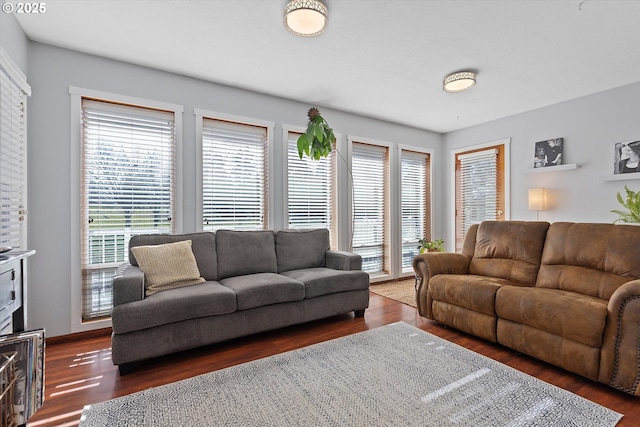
[(548, 153), (626, 157)]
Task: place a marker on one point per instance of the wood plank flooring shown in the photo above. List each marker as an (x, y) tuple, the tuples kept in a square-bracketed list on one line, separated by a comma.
[(80, 372)]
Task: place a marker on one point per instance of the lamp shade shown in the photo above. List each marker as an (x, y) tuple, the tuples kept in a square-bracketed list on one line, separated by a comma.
[(537, 199), (305, 17), (457, 82)]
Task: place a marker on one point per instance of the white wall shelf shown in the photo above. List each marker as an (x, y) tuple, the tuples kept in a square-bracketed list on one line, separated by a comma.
[(620, 177), (553, 168)]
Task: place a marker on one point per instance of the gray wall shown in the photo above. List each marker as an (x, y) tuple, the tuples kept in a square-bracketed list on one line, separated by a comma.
[(590, 127), (14, 41), (52, 70)]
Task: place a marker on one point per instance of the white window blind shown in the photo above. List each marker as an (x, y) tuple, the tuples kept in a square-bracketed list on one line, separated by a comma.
[(477, 190), (309, 188), (128, 188), (415, 199), (234, 176), (370, 180), (12, 160)]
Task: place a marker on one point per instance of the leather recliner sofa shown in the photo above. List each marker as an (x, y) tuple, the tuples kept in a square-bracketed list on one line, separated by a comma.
[(566, 293)]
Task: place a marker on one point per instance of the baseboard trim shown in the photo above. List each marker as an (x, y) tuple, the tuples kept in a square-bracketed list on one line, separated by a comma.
[(62, 339)]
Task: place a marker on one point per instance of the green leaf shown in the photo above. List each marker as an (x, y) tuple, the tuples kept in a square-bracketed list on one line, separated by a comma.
[(302, 143), (632, 204), (310, 133)]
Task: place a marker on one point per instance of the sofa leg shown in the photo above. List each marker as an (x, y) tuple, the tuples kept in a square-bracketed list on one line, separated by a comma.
[(127, 368), (359, 313)]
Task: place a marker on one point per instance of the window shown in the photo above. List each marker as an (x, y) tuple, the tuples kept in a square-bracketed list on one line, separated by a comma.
[(128, 188), (234, 175), (479, 187), (416, 203), (370, 192), (13, 106), (310, 189)]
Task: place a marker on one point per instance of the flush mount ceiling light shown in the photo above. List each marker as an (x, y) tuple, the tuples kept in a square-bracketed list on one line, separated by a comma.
[(305, 18), (460, 81)]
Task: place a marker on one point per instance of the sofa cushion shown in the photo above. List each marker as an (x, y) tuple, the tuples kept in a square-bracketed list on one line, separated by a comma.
[(323, 281), (167, 266), (256, 290), (590, 259), (203, 246), (571, 355), (573, 316), (174, 305), (245, 252), (509, 250), (298, 249), (477, 293), (470, 321)]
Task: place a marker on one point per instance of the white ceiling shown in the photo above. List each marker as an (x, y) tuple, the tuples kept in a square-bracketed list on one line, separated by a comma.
[(379, 58)]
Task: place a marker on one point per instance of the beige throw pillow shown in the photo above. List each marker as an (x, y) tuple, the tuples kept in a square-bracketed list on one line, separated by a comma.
[(167, 266)]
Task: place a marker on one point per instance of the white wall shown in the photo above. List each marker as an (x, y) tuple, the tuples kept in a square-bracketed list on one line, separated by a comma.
[(590, 127), (52, 70)]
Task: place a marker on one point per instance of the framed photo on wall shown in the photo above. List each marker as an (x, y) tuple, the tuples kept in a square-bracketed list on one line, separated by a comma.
[(548, 153), (626, 157)]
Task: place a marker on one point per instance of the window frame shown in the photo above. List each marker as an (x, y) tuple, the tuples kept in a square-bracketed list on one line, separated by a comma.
[(430, 202), (200, 115), (505, 144), (76, 96), (333, 158), (391, 241), (18, 79)]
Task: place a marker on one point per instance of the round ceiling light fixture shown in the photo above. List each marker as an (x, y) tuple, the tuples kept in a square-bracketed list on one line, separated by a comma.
[(459, 81), (305, 18)]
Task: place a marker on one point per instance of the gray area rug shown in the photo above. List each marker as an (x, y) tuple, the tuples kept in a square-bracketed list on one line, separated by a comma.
[(395, 375)]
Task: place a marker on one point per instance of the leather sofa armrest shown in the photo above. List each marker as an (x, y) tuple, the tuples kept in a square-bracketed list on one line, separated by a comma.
[(621, 341), (341, 260), (128, 284), (428, 265)]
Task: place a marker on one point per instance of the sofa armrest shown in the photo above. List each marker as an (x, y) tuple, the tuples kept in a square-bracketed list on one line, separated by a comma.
[(621, 341), (428, 265), (341, 260), (128, 284)]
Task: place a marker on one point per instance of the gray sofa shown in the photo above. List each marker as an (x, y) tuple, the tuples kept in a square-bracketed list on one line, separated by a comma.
[(254, 281)]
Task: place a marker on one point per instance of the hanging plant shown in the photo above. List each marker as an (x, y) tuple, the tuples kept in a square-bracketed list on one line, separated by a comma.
[(318, 140), (632, 204)]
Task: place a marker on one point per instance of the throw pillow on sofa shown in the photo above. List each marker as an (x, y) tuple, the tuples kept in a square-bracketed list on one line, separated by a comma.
[(167, 266)]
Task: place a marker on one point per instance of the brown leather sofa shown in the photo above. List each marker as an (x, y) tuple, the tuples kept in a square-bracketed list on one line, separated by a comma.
[(566, 293)]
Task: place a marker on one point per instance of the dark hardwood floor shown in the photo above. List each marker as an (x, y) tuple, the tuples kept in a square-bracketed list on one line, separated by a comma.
[(80, 372)]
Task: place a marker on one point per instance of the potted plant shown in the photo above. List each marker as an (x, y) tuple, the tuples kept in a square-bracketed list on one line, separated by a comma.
[(632, 204), (430, 246), (319, 139)]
